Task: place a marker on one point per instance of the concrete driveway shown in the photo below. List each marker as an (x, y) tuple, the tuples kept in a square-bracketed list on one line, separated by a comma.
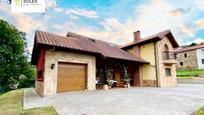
[(181, 100)]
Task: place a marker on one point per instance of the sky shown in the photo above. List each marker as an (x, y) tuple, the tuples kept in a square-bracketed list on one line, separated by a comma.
[(113, 20)]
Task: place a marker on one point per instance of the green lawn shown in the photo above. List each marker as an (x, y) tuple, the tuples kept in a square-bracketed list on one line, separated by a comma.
[(200, 112), (188, 73), (11, 103)]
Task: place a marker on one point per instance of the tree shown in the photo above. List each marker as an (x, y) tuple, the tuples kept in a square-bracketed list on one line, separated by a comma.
[(15, 71), (193, 44)]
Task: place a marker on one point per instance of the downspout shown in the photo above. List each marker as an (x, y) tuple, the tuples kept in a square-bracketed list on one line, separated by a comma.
[(156, 63)]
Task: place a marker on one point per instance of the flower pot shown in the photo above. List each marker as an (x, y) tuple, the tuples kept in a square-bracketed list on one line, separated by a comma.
[(109, 87), (127, 85), (105, 87)]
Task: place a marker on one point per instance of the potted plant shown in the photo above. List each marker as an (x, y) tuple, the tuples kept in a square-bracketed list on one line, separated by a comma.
[(105, 81), (127, 82), (126, 77), (110, 83), (105, 87)]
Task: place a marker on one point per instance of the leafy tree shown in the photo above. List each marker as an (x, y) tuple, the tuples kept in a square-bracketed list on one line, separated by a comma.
[(15, 71), (193, 44)]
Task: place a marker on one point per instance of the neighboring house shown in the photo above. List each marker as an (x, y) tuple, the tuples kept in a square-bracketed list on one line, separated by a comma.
[(157, 49), (75, 62), (191, 57)]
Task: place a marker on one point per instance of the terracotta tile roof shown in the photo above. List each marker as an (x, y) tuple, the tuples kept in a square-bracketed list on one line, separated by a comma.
[(64, 42), (190, 48), (155, 37), (81, 43)]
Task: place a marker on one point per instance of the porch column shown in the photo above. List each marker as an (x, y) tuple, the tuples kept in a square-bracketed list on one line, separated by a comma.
[(137, 78)]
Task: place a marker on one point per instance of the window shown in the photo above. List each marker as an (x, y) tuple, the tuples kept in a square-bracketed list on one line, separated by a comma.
[(165, 55), (202, 61), (185, 55), (181, 63), (168, 71)]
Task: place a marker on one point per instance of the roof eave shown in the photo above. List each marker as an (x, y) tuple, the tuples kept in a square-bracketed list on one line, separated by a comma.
[(138, 61)]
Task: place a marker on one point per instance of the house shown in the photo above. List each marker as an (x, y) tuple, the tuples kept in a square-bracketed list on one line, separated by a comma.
[(75, 62), (191, 57), (159, 51)]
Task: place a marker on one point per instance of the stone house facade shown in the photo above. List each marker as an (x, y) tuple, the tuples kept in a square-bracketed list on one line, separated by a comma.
[(187, 60), (70, 63), (190, 57), (159, 51)]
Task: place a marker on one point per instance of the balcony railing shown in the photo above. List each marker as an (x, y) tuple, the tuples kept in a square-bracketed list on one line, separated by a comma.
[(168, 55)]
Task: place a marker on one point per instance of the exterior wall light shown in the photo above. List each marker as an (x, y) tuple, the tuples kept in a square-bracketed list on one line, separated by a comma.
[(52, 66)]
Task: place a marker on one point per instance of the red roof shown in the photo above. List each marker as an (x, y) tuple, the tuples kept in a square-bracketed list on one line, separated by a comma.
[(190, 48), (77, 42), (155, 37)]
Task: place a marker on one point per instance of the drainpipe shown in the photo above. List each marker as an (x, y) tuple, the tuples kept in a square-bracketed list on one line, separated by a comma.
[(156, 63)]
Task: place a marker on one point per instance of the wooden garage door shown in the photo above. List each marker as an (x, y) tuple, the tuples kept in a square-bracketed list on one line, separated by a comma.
[(71, 77)]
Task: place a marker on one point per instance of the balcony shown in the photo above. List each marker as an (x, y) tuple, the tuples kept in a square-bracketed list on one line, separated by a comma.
[(169, 57)]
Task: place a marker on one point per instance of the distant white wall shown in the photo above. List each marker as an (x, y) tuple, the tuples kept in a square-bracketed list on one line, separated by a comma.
[(200, 56)]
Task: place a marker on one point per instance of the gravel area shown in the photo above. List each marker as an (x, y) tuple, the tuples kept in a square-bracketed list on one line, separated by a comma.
[(181, 100)]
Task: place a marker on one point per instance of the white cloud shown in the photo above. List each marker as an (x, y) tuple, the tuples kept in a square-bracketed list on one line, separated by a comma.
[(200, 23), (22, 21), (197, 40), (114, 31), (200, 4), (155, 17), (151, 18), (83, 12), (51, 4), (186, 29), (26, 23), (58, 10), (74, 17), (179, 12)]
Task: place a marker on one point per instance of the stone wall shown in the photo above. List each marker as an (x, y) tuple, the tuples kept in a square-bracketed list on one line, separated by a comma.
[(39, 87), (191, 80), (53, 57), (150, 83), (164, 80), (189, 62)]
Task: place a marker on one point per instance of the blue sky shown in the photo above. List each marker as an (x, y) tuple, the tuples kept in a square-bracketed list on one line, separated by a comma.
[(113, 20)]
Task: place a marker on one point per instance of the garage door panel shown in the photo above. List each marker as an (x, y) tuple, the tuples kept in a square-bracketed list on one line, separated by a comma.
[(71, 77)]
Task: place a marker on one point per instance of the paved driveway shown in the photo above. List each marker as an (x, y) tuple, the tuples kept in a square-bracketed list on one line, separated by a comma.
[(181, 100)]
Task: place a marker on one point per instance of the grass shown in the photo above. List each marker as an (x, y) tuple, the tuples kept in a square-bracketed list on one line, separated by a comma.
[(189, 73), (185, 77), (11, 103), (200, 111)]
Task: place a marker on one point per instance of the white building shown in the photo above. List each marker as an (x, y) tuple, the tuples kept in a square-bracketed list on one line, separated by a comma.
[(200, 58)]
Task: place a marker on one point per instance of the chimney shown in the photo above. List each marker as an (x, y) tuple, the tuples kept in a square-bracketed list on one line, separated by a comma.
[(136, 36)]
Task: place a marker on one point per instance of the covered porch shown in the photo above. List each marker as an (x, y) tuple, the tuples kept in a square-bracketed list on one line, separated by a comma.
[(117, 73)]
